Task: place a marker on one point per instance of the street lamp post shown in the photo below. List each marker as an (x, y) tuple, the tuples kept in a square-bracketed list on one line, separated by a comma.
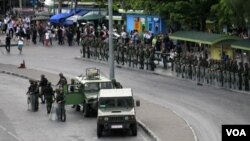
[(111, 49)]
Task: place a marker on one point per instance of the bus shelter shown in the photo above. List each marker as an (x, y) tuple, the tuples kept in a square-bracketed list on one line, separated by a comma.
[(219, 44), (244, 46)]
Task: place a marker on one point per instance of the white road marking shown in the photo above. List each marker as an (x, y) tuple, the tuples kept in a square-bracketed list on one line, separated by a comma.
[(3, 128), (14, 136), (10, 133)]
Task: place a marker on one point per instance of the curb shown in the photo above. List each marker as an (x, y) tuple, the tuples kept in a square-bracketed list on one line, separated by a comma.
[(147, 130), (141, 124), (14, 74)]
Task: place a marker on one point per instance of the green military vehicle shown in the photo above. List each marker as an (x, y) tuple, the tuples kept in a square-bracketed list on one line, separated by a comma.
[(85, 90)]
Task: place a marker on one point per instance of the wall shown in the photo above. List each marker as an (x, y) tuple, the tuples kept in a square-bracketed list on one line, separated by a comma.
[(145, 23)]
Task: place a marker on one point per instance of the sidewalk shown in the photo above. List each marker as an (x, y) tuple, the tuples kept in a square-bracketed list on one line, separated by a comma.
[(160, 123)]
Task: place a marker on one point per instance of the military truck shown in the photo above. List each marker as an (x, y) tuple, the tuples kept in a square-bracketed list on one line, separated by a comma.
[(85, 90), (116, 111)]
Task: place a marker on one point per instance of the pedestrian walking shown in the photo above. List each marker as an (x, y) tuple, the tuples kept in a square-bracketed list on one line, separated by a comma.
[(20, 44), (7, 43)]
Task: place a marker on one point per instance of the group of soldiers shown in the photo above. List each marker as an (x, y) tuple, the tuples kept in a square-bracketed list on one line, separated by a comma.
[(134, 55), (228, 74), (43, 89)]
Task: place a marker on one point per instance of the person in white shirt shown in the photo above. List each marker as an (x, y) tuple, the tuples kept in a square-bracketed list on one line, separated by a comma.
[(47, 36), (20, 44)]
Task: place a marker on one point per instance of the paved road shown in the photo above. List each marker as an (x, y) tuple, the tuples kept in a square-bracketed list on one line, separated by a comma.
[(19, 124), (204, 108)]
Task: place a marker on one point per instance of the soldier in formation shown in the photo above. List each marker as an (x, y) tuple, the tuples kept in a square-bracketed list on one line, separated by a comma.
[(33, 92)]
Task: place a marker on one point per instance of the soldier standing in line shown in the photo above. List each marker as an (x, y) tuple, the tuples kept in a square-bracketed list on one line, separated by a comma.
[(84, 43), (43, 83), (107, 51), (151, 59), (129, 56), (183, 64), (246, 77), (190, 64), (122, 54), (235, 70), (116, 52), (194, 66), (164, 57), (221, 68), (241, 70), (49, 95), (137, 55), (141, 58), (199, 70), (88, 44), (230, 73), (147, 55)]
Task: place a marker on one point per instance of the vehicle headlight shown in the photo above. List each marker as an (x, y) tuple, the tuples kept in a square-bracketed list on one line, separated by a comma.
[(106, 118), (126, 118)]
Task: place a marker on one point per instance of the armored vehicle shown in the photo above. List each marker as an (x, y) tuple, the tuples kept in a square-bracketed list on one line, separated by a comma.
[(85, 90)]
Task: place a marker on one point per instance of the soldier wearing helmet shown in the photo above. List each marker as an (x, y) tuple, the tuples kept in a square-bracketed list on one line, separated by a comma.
[(43, 83), (49, 96), (62, 81)]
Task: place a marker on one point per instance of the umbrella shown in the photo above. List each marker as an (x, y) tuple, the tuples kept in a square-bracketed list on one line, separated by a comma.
[(91, 17), (73, 18), (40, 18)]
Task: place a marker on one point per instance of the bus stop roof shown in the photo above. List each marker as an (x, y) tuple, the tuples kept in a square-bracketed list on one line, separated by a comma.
[(201, 37), (242, 44)]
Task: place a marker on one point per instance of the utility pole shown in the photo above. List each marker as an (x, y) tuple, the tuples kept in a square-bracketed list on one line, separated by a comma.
[(111, 49), (54, 7), (20, 4), (60, 6)]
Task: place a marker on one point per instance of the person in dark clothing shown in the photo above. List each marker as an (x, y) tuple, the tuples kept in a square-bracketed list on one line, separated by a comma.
[(60, 36), (61, 103), (78, 36), (34, 35), (43, 83), (246, 77), (7, 43), (70, 37), (33, 91), (116, 84), (62, 81), (28, 35), (151, 59), (49, 95)]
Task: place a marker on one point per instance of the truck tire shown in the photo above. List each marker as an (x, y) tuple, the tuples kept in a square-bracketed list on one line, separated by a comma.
[(134, 129), (86, 111), (99, 130)]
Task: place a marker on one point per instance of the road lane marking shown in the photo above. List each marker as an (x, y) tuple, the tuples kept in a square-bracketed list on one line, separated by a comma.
[(3, 128), (10, 133), (13, 135)]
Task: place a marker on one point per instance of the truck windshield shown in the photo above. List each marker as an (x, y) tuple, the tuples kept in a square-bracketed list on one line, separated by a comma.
[(91, 87), (120, 102), (106, 85)]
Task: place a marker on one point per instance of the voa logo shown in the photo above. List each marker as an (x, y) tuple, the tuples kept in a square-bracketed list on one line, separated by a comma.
[(236, 132)]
